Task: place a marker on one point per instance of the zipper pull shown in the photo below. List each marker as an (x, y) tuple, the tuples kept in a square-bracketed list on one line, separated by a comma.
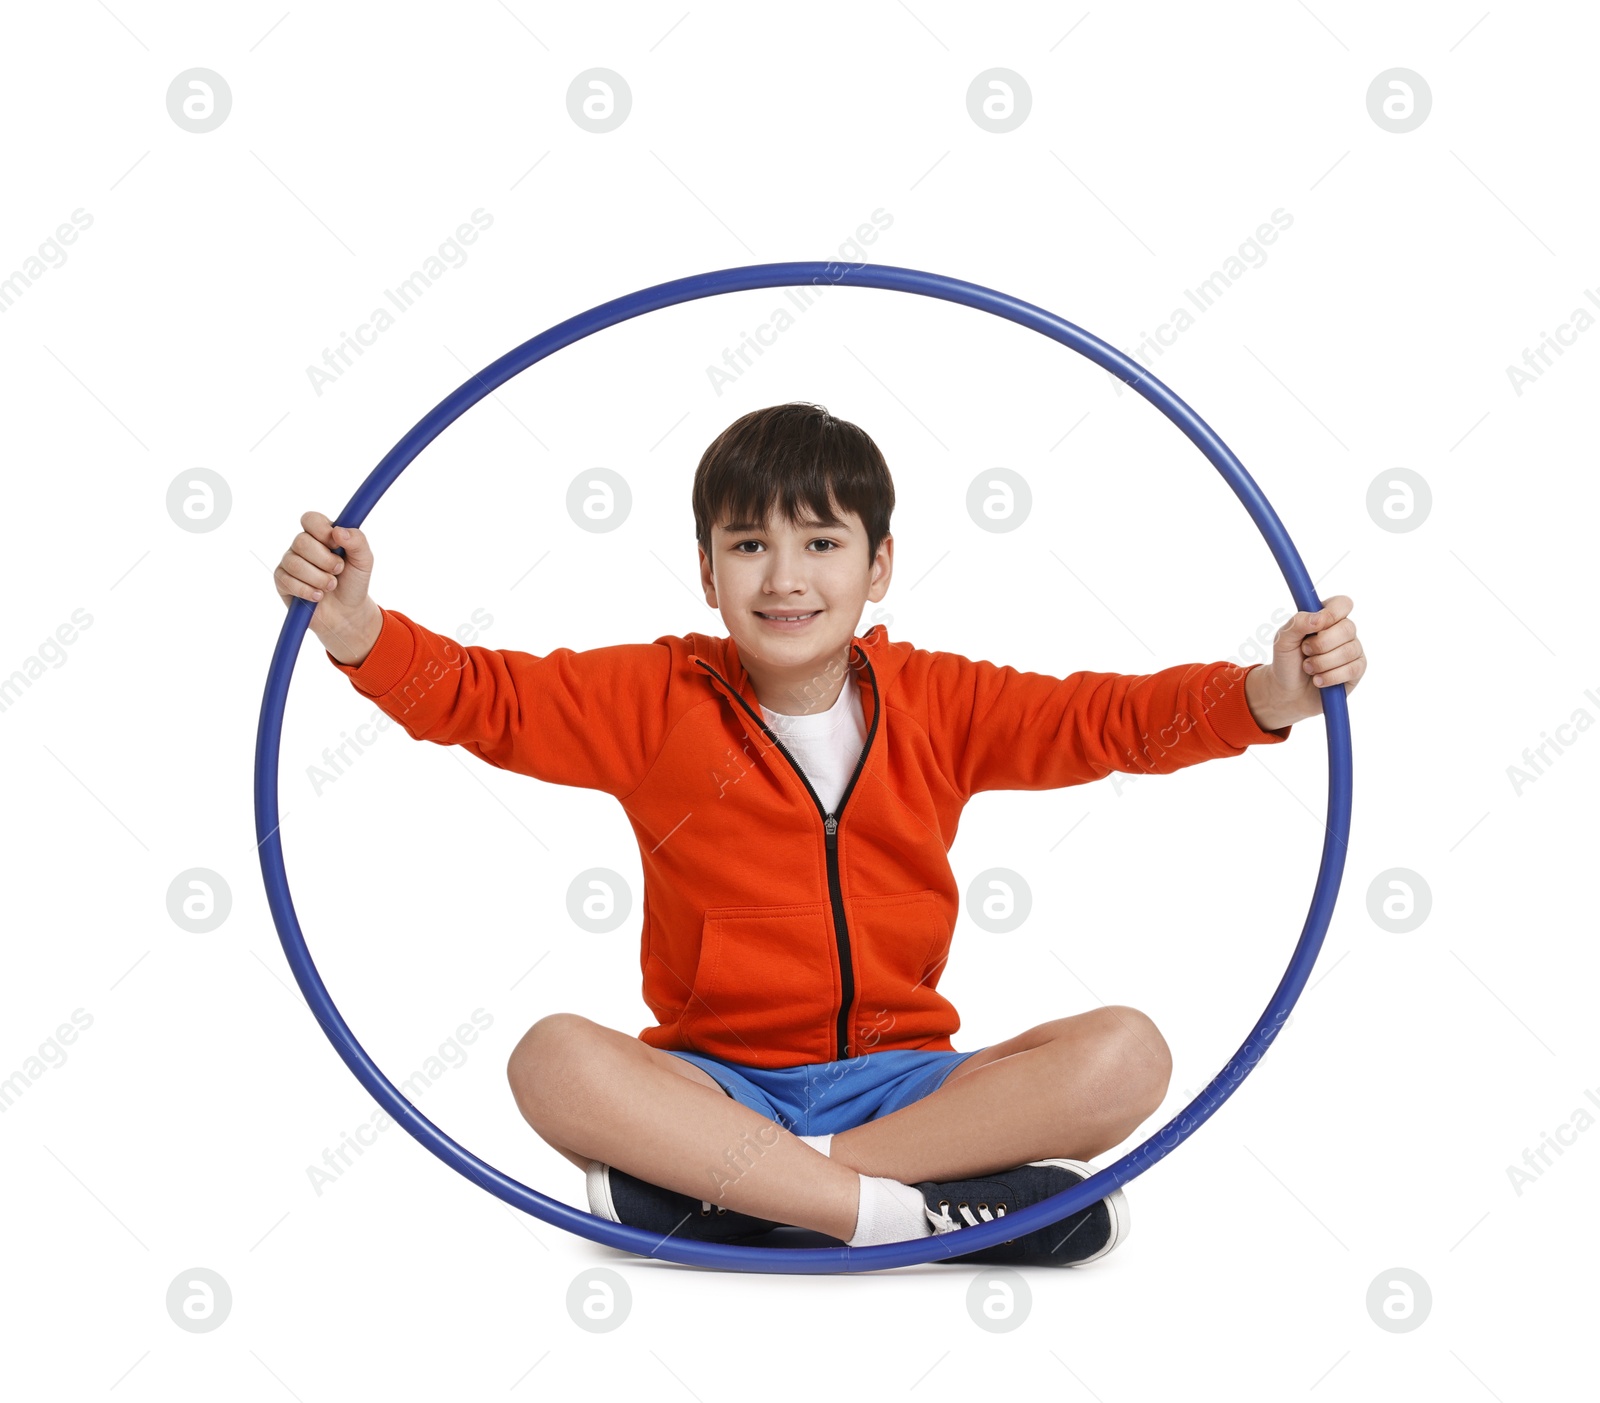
[(830, 826)]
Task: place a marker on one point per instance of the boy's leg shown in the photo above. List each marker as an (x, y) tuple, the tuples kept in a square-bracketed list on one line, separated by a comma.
[(678, 1065), (1071, 1089), (593, 1092)]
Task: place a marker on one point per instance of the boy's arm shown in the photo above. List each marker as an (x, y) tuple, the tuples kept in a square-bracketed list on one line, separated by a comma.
[(1005, 729), (595, 719)]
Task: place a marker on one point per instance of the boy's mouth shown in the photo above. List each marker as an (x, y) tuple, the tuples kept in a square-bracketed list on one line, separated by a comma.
[(789, 621)]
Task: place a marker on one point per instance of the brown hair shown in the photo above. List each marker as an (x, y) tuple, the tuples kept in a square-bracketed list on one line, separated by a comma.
[(791, 457)]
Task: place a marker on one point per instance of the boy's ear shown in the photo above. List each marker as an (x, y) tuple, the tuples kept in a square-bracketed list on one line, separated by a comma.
[(885, 554), (707, 577)]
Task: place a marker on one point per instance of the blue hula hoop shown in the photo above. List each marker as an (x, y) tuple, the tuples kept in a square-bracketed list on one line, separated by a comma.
[(770, 1259)]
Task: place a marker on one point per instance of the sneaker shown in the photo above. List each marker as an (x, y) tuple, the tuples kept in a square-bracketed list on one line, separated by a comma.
[(622, 1198), (1084, 1236)]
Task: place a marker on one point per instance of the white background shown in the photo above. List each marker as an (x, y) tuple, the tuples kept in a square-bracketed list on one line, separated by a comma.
[(218, 267)]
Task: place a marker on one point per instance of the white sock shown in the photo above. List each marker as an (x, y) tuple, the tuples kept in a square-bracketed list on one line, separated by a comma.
[(889, 1212), (819, 1143)]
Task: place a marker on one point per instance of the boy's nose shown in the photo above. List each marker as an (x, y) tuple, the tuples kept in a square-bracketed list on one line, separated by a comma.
[(785, 579)]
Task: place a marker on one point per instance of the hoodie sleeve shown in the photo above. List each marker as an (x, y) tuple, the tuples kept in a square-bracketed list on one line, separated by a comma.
[(594, 719), (1004, 729)]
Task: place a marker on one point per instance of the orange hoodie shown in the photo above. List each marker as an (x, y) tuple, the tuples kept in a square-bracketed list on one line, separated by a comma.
[(776, 934)]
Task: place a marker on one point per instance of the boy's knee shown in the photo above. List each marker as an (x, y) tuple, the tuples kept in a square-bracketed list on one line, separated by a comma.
[(1136, 1044), (540, 1058)]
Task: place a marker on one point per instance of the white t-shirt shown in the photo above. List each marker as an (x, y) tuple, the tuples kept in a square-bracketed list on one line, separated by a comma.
[(825, 744)]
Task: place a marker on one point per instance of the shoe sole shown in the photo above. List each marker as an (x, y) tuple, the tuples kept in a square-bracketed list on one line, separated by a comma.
[(598, 1183), (1116, 1206)]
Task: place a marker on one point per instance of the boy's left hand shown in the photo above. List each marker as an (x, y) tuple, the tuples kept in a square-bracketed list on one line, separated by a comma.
[(1312, 651)]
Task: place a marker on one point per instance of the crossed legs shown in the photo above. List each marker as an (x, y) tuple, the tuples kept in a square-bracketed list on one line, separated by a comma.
[(1070, 1088)]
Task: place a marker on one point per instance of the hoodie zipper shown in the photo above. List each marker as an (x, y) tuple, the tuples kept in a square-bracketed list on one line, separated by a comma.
[(830, 830)]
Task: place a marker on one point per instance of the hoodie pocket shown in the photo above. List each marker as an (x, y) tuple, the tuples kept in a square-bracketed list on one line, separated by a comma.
[(766, 990), (898, 944)]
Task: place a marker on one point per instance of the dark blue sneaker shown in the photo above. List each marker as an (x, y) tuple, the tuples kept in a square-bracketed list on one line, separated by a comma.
[(622, 1198), (1084, 1236)]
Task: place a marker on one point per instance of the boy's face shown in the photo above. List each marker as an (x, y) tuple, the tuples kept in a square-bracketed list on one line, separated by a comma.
[(756, 576)]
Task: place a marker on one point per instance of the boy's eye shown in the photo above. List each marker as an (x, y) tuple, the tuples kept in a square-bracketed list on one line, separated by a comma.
[(739, 549)]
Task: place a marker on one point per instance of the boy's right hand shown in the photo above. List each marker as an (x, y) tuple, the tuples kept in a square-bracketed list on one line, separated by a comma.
[(346, 618)]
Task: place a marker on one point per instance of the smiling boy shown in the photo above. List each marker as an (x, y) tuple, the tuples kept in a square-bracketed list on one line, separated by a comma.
[(795, 788)]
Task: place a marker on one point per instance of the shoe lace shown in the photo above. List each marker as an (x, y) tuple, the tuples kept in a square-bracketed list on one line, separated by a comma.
[(944, 1221)]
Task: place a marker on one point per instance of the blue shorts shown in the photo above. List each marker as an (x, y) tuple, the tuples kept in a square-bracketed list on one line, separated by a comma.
[(825, 1098)]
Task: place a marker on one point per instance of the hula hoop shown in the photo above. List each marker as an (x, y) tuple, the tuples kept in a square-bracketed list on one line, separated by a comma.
[(804, 1259)]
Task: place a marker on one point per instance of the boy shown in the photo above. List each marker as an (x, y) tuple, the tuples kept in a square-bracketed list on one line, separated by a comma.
[(794, 788)]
